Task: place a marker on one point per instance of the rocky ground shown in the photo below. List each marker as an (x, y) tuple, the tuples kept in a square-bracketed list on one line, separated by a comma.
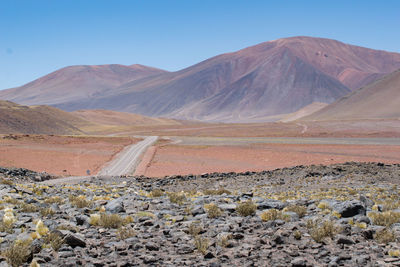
[(339, 215)]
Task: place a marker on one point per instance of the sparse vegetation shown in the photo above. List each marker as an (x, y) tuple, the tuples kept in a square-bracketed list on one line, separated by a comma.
[(79, 201), (54, 240), (24, 207), (157, 193), (107, 220), (195, 229), (6, 181), (321, 230), (125, 232), (300, 210), (177, 198), (273, 214), (18, 252), (386, 218), (218, 191), (224, 240), (385, 236), (213, 211), (47, 212), (201, 244), (247, 208), (297, 235)]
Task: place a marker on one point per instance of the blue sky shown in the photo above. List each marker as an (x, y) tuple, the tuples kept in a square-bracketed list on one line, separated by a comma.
[(40, 36)]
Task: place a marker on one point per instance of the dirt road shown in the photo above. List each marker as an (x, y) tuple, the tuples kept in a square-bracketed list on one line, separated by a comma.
[(123, 164), (126, 161)]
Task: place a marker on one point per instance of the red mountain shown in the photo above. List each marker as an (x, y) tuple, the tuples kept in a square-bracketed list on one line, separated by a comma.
[(259, 82), (75, 83), (378, 100)]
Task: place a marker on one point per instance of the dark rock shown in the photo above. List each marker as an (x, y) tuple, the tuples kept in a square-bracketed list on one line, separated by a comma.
[(350, 208), (81, 219), (152, 246), (115, 206), (209, 255), (344, 240)]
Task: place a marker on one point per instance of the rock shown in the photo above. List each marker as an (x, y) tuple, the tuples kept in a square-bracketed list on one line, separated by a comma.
[(278, 238), (115, 206), (209, 255), (70, 239), (270, 204), (81, 219), (344, 240), (299, 262), (366, 201), (350, 208), (185, 249), (197, 210), (228, 207), (152, 246)]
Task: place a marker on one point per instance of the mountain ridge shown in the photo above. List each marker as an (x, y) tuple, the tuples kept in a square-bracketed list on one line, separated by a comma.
[(267, 79)]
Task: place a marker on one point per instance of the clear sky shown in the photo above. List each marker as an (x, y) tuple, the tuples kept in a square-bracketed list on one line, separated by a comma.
[(40, 36)]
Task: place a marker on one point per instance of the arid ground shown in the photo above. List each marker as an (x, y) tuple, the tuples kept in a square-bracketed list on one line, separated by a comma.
[(197, 159), (60, 155)]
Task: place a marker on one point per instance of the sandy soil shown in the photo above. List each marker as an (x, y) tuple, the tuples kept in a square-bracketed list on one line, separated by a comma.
[(339, 128), (60, 155), (179, 159)]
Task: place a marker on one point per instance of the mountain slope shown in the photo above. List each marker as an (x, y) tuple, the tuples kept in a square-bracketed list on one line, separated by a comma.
[(269, 79), (75, 83), (16, 118), (109, 117), (378, 100)]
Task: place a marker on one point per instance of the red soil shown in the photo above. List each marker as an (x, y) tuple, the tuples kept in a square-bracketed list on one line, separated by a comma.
[(60, 155), (175, 159)]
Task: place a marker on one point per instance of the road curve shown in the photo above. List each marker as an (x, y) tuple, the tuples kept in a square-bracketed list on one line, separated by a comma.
[(127, 160)]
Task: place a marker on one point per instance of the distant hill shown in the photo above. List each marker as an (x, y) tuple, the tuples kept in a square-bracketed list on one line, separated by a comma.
[(378, 100), (263, 81), (16, 118), (75, 83)]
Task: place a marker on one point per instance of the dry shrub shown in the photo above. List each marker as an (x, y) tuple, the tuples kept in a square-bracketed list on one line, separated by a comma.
[(54, 240), (125, 232), (213, 211), (195, 229), (55, 199), (385, 236), (386, 218), (107, 220), (24, 207), (177, 198), (18, 252), (157, 193), (297, 235), (6, 181), (80, 201), (300, 210), (319, 231), (274, 214), (224, 240), (201, 244), (247, 208), (219, 191), (6, 227), (47, 212)]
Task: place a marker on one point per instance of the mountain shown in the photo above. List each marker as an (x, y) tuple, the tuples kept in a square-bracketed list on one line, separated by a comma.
[(16, 118), (75, 83), (263, 81), (115, 118), (378, 100)]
